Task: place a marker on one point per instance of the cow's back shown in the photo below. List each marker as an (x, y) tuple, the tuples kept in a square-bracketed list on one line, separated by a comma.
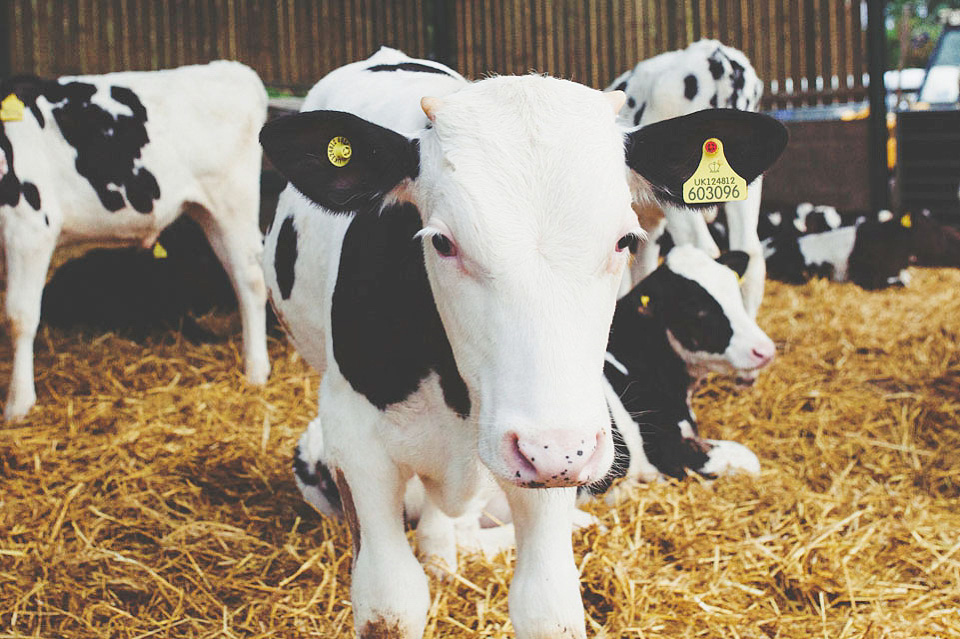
[(302, 250), (116, 157), (707, 74), (199, 117)]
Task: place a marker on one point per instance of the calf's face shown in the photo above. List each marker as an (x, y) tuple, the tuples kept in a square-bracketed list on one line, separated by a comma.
[(524, 190), (699, 304)]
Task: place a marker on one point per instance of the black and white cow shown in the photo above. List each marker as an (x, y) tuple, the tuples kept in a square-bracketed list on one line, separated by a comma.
[(450, 258), (113, 159), (873, 253), (707, 74), (684, 320)]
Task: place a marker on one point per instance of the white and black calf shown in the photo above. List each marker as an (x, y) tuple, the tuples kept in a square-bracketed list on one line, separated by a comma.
[(871, 253), (682, 321), (449, 254), (113, 159), (705, 75)]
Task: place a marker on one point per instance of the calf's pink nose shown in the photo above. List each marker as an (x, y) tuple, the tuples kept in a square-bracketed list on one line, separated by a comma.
[(556, 457)]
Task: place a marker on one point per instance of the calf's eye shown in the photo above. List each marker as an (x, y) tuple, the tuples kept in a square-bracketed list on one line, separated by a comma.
[(628, 242), (443, 245)]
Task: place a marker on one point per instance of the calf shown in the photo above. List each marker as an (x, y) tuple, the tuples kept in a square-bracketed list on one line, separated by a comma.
[(454, 276), (705, 75), (682, 321), (116, 158), (872, 253)]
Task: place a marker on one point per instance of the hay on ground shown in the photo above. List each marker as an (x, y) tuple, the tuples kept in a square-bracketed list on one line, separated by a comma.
[(149, 495)]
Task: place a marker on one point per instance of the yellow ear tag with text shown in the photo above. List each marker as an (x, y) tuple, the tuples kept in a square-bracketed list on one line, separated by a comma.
[(714, 180), (644, 300), (11, 109), (158, 251), (339, 151), (906, 221)]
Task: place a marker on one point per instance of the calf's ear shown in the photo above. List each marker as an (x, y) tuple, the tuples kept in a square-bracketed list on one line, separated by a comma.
[(338, 160), (736, 261), (667, 153)]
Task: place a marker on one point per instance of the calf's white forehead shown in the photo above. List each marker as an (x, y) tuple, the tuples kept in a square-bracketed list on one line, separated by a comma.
[(527, 141), (718, 280)]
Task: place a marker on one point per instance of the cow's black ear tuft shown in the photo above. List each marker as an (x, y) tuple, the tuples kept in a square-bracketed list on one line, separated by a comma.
[(338, 160), (667, 153), (736, 261)]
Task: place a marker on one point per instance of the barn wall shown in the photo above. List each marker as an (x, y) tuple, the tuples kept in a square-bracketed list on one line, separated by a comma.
[(807, 51)]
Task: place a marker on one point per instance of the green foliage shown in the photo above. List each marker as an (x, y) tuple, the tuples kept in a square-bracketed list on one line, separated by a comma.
[(924, 30)]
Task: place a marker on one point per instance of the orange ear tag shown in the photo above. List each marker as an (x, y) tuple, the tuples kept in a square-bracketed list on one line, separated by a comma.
[(714, 180)]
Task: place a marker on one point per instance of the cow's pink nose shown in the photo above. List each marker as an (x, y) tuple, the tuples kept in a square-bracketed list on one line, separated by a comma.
[(556, 458), (763, 354)]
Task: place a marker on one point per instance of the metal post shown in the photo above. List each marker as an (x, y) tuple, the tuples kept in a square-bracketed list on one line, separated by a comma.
[(876, 65), (6, 17), (440, 40)]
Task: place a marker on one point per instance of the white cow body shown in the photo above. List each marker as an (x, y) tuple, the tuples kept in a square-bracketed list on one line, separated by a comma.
[(114, 160), (459, 308), (707, 74)]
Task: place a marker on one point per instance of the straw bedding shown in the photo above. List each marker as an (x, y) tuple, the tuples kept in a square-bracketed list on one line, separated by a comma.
[(150, 494)]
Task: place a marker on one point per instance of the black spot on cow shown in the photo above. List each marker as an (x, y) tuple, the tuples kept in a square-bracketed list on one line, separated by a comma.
[(713, 101), (408, 66), (715, 64), (107, 144), (32, 195), (285, 258), (639, 114), (631, 103), (690, 86), (621, 87), (318, 476), (738, 80), (387, 334)]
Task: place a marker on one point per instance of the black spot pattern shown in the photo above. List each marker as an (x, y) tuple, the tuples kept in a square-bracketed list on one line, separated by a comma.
[(716, 66), (285, 257), (631, 103), (713, 101), (690, 87), (408, 66), (107, 145), (639, 114), (387, 334), (32, 195), (319, 476), (738, 79), (621, 87)]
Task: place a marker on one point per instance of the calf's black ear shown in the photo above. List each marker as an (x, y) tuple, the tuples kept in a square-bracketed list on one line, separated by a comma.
[(736, 261), (667, 153), (338, 160)]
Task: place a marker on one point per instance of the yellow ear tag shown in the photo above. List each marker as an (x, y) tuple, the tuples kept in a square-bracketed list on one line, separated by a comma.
[(644, 300), (158, 251), (11, 109), (906, 221), (339, 151), (714, 180)]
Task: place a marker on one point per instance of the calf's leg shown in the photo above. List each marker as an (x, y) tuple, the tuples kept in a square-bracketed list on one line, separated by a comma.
[(544, 596), (742, 220), (238, 245), (389, 588), (28, 248)]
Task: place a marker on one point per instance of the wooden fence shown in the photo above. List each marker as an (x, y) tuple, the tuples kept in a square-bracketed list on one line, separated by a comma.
[(807, 51)]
